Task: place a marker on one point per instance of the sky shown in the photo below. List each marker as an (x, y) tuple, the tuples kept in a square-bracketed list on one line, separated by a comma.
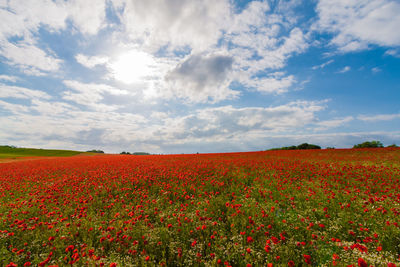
[(187, 76)]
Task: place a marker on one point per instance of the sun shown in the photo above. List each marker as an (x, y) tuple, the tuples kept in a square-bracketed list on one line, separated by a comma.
[(132, 67)]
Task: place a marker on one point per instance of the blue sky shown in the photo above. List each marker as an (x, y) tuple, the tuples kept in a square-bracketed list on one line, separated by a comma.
[(174, 76)]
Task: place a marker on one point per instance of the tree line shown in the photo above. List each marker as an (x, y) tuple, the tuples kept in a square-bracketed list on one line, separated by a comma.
[(367, 144)]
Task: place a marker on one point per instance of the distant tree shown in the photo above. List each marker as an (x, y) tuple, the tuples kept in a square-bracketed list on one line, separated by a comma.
[(140, 153), (330, 147), (8, 146), (308, 146), (134, 153), (369, 144), (299, 147), (394, 145), (96, 151), (289, 147)]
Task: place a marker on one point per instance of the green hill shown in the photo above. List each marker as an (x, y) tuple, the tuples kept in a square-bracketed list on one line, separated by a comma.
[(16, 152)]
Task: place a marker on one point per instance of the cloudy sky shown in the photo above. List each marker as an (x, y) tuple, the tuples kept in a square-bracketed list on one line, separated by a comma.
[(176, 76)]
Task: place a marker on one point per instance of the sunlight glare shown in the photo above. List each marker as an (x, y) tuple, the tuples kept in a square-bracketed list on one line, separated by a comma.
[(132, 67)]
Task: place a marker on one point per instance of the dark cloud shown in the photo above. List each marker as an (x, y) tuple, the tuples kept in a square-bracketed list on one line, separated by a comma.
[(202, 78), (202, 72)]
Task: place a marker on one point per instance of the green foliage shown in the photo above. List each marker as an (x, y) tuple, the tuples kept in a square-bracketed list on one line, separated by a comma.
[(299, 147), (13, 152), (369, 144), (96, 151), (140, 153), (308, 146), (134, 153), (393, 145)]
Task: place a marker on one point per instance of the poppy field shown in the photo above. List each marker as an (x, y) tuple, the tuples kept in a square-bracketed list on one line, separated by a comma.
[(335, 207)]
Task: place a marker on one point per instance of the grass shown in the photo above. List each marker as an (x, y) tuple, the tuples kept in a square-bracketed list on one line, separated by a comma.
[(14, 152)]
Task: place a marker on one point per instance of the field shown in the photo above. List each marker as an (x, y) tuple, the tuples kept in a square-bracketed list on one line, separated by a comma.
[(8, 152), (282, 208)]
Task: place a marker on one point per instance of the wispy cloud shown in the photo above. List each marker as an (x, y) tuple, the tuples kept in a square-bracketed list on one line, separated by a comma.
[(344, 69), (7, 91), (91, 94), (29, 58), (333, 123), (379, 117), (323, 65), (375, 70), (274, 83), (91, 61), (393, 52), (8, 78)]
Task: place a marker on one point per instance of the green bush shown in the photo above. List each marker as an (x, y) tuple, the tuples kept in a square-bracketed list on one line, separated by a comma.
[(96, 151), (369, 144), (299, 147)]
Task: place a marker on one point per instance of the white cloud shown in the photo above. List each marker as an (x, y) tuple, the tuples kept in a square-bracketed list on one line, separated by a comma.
[(225, 125), (88, 16), (255, 40), (272, 84), (263, 43), (52, 108), (333, 123), (21, 16), (357, 24), (93, 88), (91, 94), (265, 48), (8, 78), (296, 42), (344, 69), (215, 129), (379, 117), (85, 129), (91, 61), (13, 108), (227, 122), (29, 58), (253, 16), (197, 23), (23, 19), (7, 91)]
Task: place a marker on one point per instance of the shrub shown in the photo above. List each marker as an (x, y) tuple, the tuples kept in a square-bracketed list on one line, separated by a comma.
[(300, 147), (369, 144)]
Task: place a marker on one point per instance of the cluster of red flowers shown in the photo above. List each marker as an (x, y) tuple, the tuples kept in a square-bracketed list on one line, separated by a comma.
[(338, 207)]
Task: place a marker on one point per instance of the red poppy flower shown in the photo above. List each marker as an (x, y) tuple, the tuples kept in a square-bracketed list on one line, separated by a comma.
[(362, 262)]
